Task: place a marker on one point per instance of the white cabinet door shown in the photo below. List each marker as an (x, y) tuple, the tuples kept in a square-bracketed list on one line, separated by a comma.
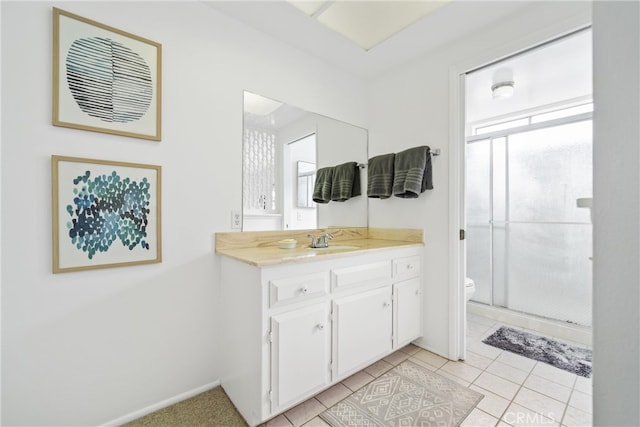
[(407, 312), (300, 354), (361, 329)]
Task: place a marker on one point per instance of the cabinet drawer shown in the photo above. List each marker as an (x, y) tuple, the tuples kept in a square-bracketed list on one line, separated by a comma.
[(373, 274), (298, 288), (406, 268)]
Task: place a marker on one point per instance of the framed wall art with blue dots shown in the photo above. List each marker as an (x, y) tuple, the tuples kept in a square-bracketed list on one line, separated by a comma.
[(105, 214), (104, 79)]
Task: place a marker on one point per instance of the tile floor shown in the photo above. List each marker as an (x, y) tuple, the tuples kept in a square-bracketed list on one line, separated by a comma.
[(517, 391)]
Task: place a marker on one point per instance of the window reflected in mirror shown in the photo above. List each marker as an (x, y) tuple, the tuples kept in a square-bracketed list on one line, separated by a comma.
[(306, 180)]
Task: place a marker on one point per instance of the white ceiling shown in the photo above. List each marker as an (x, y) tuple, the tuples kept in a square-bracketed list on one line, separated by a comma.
[(289, 24), (559, 72)]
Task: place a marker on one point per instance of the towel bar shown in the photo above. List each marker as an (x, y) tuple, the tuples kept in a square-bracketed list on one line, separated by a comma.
[(434, 152)]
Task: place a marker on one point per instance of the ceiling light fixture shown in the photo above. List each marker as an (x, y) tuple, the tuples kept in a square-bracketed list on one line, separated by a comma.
[(502, 90)]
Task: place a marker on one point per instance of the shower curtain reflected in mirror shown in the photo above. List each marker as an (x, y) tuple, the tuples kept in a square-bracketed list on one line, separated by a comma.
[(529, 245)]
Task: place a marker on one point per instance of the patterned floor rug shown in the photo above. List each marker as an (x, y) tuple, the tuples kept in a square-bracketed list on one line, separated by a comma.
[(547, 350), (407, 395)]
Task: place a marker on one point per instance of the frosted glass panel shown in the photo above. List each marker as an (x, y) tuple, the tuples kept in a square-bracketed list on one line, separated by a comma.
[(548, 170), (500, 183), (549, 271), (500, 240), (479, 261), (478, 182), (478, 208)]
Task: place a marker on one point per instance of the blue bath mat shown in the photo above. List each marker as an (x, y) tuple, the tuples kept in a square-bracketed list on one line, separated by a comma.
[(564, 356)]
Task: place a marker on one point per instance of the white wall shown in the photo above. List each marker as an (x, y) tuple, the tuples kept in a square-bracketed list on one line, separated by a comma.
[(410, 106), (84, 348), (616, 222)]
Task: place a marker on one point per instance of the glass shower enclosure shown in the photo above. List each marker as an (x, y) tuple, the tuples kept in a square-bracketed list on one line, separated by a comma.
[(529, 244)]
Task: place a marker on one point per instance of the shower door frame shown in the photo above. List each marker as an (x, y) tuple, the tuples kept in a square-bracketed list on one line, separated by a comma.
[(506, 134)]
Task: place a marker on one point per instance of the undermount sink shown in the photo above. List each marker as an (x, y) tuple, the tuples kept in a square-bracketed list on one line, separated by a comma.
[(335, 248)]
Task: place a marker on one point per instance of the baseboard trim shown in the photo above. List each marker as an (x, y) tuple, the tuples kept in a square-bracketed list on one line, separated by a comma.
[(162, 404)]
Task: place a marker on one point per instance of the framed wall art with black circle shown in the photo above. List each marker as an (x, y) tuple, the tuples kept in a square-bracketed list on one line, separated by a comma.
[(104, 79)]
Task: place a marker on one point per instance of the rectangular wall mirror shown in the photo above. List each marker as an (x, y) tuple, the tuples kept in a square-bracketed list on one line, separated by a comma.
[(283, 146)]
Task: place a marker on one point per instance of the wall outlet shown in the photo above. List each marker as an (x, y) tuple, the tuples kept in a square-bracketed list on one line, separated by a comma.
[(236, 219)]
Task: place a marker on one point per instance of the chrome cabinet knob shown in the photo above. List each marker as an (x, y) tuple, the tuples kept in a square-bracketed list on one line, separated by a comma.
[(321, 326), (304, 290)]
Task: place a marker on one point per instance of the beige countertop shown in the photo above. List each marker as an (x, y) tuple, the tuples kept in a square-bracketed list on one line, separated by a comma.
[(261, 248)]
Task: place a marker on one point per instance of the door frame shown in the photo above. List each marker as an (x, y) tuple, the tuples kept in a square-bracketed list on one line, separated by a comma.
[(457, 131)]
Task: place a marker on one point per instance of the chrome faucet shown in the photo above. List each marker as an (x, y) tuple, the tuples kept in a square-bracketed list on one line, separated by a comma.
[(321, 241)]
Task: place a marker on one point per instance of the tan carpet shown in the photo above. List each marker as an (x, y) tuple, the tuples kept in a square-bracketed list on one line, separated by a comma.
[(211, 408)]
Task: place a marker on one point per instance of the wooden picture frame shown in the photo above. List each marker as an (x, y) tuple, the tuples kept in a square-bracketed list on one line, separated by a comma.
[(104, 213), (105, 79)]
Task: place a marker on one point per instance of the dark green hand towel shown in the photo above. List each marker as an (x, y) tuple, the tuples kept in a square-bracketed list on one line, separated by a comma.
[(323, 185), (380, 176), (346, 182), (412, 174)]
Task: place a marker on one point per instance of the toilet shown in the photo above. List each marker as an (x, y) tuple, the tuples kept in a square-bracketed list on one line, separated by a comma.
[(469, 288)]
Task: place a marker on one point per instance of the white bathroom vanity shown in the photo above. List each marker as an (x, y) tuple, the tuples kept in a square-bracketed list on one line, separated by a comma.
[(297, 321)]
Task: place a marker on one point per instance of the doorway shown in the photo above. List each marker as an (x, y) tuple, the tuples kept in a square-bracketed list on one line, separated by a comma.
[(549, 97)]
